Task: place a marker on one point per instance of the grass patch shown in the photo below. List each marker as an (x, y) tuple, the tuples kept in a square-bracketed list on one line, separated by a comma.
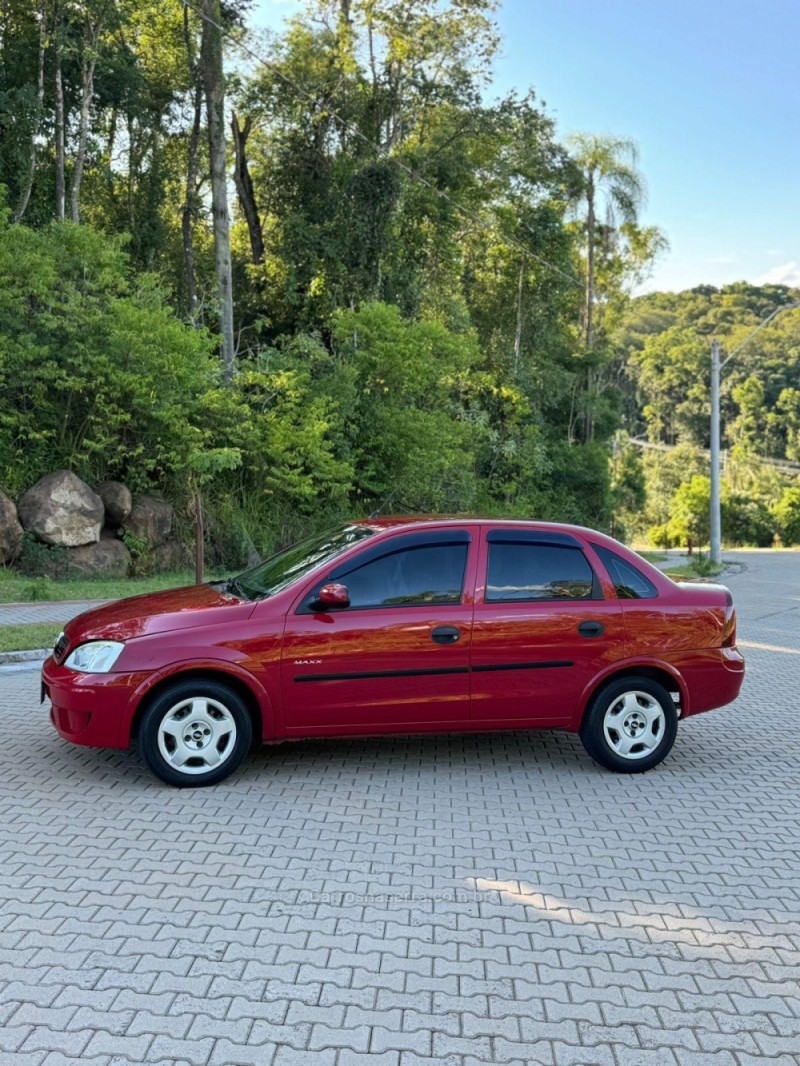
[(29, 637), (654, 557), (16, 588), (702, 568)]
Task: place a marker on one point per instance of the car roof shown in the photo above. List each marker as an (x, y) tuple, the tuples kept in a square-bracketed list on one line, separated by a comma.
[(384, 522)]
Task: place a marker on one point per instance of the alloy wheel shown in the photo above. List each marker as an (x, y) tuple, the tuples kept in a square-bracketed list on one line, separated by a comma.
[(196, 735), (634, 725)]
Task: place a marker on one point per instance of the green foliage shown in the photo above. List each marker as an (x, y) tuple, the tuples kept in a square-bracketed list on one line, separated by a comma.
[(690, 512), (99, 375), (665, 339), (746, 521), (663, 342), (628, 488), (410, 448), (40, 589), (412, 338), (140, 550), (786, 513), (136, 545), (42, 560), (29, 637), (15, 588), (704, 567)]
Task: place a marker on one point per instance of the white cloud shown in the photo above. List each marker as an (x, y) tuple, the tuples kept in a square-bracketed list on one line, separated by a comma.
[(785, 274)]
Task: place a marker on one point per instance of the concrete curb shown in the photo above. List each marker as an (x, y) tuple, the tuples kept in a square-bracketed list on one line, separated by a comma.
[(23, 656)]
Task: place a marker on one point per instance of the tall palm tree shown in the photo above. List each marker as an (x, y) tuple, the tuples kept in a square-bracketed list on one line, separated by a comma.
[(610, 181)]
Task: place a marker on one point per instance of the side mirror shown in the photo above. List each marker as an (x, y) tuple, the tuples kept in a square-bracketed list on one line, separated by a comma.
[(333, 595)]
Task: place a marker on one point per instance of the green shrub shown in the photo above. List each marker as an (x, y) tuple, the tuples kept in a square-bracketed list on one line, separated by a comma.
[(41, 589), (786, 513), (659, 536), (690, 512), (43, 560), (704, 567), (139, 547), (747, 521)]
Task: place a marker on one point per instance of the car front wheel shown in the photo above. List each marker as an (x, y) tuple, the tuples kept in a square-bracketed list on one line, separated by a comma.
[(631, 725), (195, 733)]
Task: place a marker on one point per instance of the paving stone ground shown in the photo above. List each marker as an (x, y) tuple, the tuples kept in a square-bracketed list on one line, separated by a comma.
[(18, 614), (490, 899)]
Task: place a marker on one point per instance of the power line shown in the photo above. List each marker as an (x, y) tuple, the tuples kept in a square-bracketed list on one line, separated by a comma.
[(348, 127)]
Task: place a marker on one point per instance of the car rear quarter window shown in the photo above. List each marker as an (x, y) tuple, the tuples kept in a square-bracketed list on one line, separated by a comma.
[(629, 583), (414, 576), (530, 571)]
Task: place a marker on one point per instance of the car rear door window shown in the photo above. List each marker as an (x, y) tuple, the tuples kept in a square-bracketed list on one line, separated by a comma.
[(629, 583), (530, 571), (410, 577)]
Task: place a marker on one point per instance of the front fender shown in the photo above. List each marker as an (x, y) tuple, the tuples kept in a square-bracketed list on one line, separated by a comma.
[(208, 664)]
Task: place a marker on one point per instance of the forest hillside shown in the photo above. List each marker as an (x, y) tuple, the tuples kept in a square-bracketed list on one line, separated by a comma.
[(329, 272)]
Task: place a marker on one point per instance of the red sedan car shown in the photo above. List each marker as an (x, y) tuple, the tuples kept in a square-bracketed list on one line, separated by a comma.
[(396, 625)]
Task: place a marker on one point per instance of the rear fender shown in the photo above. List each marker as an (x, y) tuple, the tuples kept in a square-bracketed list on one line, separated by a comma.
[(630, 666)]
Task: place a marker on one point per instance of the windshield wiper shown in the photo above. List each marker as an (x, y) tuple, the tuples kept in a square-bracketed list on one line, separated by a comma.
[(232, 587)]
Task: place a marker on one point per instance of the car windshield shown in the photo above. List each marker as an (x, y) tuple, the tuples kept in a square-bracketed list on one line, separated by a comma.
[(288, 566)]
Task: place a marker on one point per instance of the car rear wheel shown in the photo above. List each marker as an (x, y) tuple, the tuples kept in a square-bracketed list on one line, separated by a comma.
[(195, 733), (631, 725)]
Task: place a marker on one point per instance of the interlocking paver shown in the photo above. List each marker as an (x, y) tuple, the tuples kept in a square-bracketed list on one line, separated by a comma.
[(401, 902), (14, 614)]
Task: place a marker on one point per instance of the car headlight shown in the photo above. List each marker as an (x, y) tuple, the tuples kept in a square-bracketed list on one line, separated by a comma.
[(96, 657)]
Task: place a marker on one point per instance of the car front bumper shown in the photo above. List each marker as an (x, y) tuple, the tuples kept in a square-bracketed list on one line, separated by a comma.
[(91, 709)]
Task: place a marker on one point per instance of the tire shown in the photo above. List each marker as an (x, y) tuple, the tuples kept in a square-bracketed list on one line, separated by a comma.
[(630, 726), (195, 733)]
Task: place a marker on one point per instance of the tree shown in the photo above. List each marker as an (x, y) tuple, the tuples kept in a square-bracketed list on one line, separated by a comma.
[(399, 254), (786, 513), (211, 65), (608, 184), (189, 207), (244, 187), (37, 114), (60, 116), (95, 13), (690, 512)]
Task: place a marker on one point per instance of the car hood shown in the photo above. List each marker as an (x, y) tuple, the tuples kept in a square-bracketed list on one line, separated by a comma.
[(157, 612)]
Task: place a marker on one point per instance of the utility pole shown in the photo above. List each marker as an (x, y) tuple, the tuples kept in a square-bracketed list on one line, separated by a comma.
[(716, 517), (717, 367)]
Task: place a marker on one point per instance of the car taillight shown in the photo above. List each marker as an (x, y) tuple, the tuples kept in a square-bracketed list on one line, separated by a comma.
[(729, 636)]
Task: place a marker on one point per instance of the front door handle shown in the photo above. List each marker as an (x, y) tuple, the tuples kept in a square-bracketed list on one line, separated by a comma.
[(445, 634), (591, 629)]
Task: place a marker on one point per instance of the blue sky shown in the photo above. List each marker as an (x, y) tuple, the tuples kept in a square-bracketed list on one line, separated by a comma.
[(709, 90)]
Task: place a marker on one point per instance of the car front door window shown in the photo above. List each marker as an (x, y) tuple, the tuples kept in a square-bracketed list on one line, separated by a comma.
[(415, 576)]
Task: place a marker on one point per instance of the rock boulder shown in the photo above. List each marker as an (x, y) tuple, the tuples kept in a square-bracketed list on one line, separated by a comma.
[(108, 557), (150, 519), (117, 501), (10, 530), (171, 556), (62, 509)]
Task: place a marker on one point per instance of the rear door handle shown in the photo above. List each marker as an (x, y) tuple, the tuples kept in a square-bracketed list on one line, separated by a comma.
[(445, 634), (591, 629)]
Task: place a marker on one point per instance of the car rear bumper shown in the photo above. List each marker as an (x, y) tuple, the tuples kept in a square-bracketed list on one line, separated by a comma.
[(91, 709), (713, 678)]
